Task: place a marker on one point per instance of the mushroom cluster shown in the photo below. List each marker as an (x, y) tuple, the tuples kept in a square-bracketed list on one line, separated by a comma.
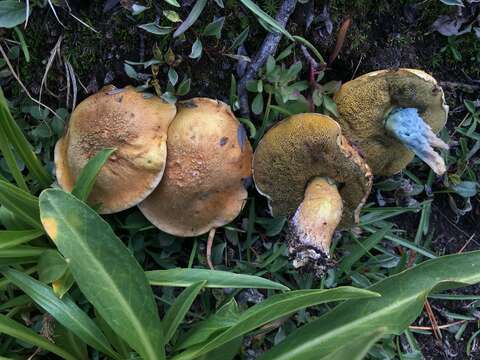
[(187, 166), (199, 186)]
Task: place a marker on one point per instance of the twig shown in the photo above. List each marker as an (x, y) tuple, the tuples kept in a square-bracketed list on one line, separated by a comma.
[(14, 74), (470, 88), (413, 327), (433, 320), (341, 35), (268, 47)]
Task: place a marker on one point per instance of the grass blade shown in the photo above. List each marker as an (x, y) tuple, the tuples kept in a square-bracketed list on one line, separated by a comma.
[(7, 153), (22, 251), (355, 349), (14, 329), (176, 313), (105, 270), (21, 203), (86, 180), (65, 311), (191, 18), (214, 278), (11, 238), (21, 144), (272, 309), (263, 16)]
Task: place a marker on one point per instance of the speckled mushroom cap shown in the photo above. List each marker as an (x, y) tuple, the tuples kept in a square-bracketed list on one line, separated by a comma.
[(364, 103), (301, 148), (208, 163), (128, 121)]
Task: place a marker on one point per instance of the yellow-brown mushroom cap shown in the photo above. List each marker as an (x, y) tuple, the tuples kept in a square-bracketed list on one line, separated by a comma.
[(207, 166), (301, 148), (364, 103), (124, 119)]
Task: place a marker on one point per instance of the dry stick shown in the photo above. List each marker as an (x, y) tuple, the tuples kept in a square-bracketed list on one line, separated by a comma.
[(269, 46), (12, 70), (413, 327), (433, 320), (211, 235)]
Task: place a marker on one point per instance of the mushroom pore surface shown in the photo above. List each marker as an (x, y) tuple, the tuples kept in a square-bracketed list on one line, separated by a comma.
[(365, 102)]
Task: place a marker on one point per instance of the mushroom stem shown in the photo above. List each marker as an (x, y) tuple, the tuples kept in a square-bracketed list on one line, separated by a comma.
[(406, 125), (312, 227)]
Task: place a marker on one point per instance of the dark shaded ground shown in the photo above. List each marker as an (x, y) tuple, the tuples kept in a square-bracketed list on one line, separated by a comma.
[(383, 35)]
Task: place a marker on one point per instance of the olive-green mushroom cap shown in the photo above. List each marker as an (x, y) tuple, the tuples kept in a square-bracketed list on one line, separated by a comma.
[(135, 126), (303, 147), (364, 103), (209, 162)]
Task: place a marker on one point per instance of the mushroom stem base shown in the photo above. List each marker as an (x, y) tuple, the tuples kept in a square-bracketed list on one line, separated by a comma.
[(407, 126), (311, 229)]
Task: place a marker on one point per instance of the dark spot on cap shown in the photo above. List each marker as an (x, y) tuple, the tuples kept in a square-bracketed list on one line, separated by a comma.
[(119, 99), (223, 141), (247, 182), (188, 104)]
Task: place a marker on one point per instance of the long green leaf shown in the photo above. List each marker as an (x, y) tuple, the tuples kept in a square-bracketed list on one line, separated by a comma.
[(14, 329), (214, 278), (355, 349), (66, 339), (272, 309), (86, 179), (21, 144), (11, 238), (7, 153), (191, 18), (105, 271), (65, 311), (263, 16), (176, 313), (22, 251), (20, 203), (402, 299)]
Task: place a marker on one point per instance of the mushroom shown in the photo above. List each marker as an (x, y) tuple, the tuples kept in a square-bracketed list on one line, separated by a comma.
[(310, 173), (124, 119), (208, 165), (392, 114)]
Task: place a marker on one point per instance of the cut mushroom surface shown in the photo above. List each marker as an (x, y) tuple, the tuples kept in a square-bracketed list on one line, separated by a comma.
[(392, 115), (132, 124), (310, 173), (208, 164)]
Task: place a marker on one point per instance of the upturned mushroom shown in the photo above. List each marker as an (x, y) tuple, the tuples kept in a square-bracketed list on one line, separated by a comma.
[(310, 173), (392, 115), (208, 165), (135, 126)]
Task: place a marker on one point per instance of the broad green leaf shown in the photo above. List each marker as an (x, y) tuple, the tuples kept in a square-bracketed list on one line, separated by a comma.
[(214, 28), (51, 266), (86, 179), (191, 18), (176, 313), (184, 87), (12, 13), (263, 16), (272, 309), (65, 311), (155, 29), (21, 203), (223, 318), (355, 349), (63, 284), (197, 49), (11, 238), (21, 144), (227, 351), (215, 279), (105, 270), (122, 348), (14, 329), (402, 299)]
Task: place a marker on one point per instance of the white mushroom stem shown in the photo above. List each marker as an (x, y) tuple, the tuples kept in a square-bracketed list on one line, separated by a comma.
[(408, 127), (313, 225)]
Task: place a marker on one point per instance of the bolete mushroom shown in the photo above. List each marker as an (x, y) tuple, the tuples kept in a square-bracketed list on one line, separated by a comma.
[(208, 165), (128, 121), (392, 115), (310, 173)]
